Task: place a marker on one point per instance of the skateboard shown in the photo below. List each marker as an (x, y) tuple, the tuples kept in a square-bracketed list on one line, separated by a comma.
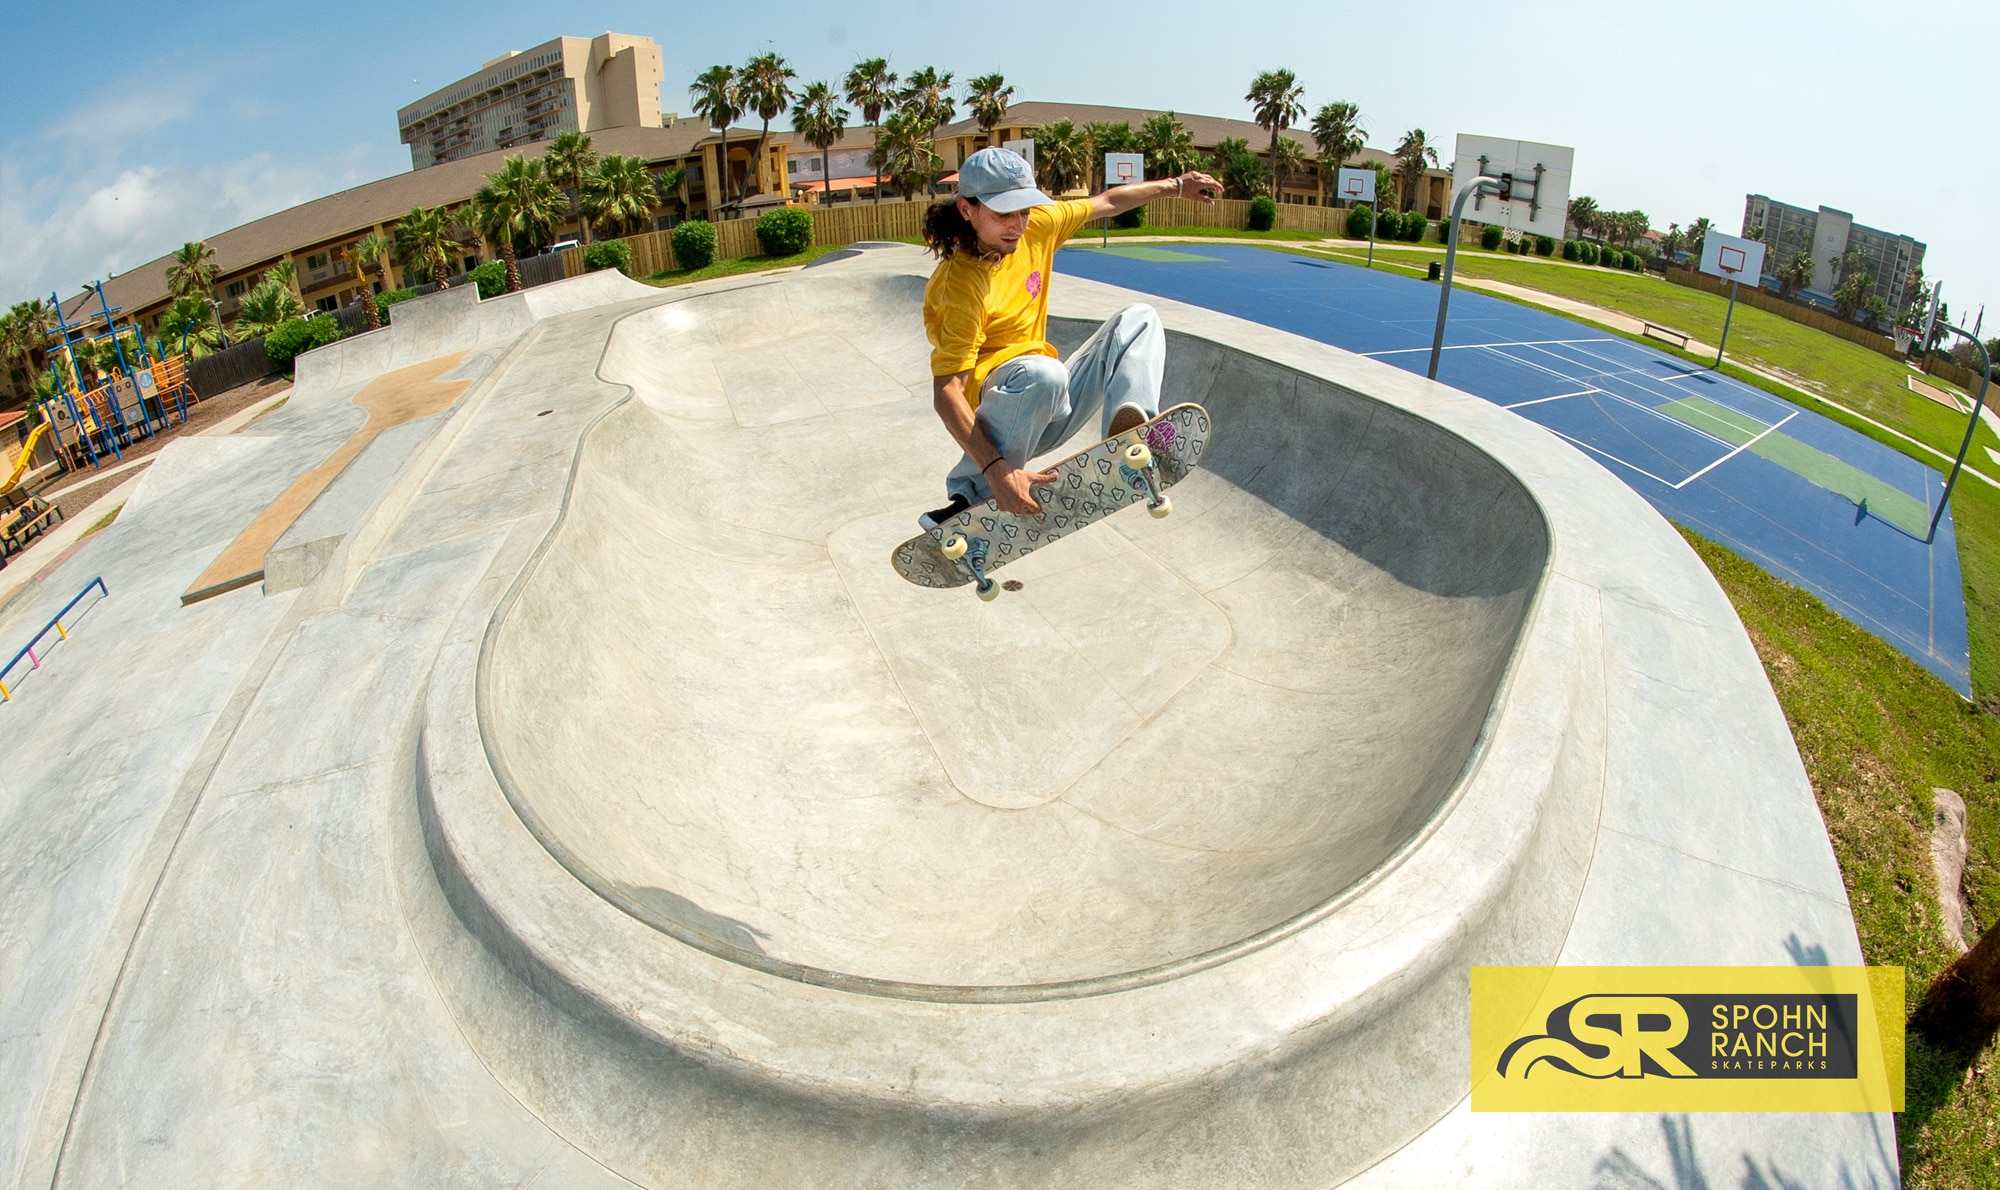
[(1136, 467)]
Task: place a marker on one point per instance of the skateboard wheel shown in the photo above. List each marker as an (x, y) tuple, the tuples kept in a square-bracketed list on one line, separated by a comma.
[(1165, 506), (1138, 456), (953, 548), (988, 590)]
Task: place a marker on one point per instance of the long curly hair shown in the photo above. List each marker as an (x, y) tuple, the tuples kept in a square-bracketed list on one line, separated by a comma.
[(946, 231)]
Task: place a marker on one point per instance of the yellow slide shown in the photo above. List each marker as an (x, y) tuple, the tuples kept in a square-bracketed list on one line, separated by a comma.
[(27, 457)]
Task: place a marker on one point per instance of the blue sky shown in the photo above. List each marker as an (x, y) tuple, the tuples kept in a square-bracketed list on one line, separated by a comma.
[(156, 124)]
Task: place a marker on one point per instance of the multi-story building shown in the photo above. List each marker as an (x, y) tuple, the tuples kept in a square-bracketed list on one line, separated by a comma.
[(1829, 236), (571, 84)]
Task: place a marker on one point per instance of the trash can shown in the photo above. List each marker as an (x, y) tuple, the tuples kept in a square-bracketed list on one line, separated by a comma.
[(1437, 270)]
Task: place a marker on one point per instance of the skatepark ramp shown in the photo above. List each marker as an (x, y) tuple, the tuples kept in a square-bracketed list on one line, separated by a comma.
[(1167, 838)]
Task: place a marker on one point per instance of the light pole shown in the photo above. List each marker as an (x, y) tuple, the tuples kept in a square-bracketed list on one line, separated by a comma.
[(1985, 375), (1476, 186)]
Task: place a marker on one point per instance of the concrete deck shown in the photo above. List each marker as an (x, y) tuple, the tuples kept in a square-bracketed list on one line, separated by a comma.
[(600, 809)]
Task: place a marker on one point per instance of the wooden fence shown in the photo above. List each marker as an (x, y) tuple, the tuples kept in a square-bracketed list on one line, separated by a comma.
[(843, 223)]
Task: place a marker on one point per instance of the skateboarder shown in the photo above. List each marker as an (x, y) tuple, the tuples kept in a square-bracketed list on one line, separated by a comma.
[(995, 380)]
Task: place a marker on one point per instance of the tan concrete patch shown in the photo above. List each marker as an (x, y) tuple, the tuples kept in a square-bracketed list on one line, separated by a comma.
[(391, 399)]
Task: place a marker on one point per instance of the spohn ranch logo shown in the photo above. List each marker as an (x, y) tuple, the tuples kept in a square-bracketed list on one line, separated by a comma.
[(1687, 1038)]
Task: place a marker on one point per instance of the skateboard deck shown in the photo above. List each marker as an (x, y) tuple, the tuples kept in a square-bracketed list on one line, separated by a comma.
[(1136, 467)]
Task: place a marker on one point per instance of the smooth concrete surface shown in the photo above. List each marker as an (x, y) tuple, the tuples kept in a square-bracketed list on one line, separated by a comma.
[(307, 886)]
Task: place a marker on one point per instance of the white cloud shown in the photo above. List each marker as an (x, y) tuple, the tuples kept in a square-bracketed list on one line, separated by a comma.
[(64, 230)]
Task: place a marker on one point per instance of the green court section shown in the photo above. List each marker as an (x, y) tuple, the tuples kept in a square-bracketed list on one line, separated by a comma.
[(1881, 499), (1143, 252)]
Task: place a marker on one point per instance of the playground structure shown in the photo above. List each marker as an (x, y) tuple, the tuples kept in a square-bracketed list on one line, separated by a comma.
[(599, 807), (136, 399)]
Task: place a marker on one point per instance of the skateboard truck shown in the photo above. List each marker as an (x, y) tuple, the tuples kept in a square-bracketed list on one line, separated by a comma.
[(956, 547), (1138, 460)]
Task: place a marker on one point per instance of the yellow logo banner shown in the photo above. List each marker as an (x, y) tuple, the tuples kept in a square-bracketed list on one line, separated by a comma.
[(1640, 1039)]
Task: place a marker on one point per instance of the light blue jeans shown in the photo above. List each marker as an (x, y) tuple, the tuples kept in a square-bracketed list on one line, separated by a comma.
[(1032, 404)]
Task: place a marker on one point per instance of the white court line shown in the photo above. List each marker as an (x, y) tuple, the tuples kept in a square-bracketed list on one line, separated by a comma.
[(1614, 458), (1558, 397), (1466, 346), (1739, 450)]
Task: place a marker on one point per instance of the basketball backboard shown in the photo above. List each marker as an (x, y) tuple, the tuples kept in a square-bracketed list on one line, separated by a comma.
[(1534, 181), (1026, 148), (1732, 258), (1120, 168), (1355, 185)]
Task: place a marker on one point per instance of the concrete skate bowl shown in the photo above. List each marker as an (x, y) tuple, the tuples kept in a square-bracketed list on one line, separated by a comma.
[(722, 711), (1203, 809)]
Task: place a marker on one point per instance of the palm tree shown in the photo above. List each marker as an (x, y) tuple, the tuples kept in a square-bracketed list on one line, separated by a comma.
[(1796, 274), (871, 86), (671, 185), (903, 150), (364, 256), (1336, 129), (718, 96), (1413, 154), (518, 199), (191, 319), (424, 244), (1062, 156), (987, 96), (821, 120), (1277, 99), (620, 192), (1241, 173), (568, 162), (767, 90), (1168, 146), (266, 308), (193, 270), (1291, 159), (26, 330), (1583, 214), (286, 273), (929, 91)]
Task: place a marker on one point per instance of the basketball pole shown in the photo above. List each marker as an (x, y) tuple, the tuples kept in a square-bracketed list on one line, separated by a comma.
[(1476, 186), (1374, 221), (1726, 316), (1985, 376)]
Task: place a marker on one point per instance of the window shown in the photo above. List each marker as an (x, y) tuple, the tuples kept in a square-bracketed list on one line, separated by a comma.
[(316, 260), (328, 305), (235, 289), (471, 263)]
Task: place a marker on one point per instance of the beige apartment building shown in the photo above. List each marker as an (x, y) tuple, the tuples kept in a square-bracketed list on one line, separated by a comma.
[(571, 84)]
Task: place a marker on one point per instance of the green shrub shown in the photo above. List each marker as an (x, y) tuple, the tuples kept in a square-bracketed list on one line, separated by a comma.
[(1570, 251), (784, 233), (385, 300), (1631, 261), (1544, 246), (1358, 221), (1263, 213), (1490, 237), (1136, 217), (1413, 226), (1587, 253), (491, 278), (298, 335), (608, 254), (1444, 231), (694, 244)]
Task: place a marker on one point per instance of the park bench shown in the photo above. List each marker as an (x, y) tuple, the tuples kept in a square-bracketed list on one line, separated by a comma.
[(26, 522), (1656, 331)]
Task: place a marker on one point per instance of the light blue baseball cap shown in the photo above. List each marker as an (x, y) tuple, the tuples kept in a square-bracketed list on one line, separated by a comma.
[(1001, 180)]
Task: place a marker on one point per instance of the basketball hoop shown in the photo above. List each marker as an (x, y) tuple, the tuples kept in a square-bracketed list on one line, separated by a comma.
[(1731, 261)]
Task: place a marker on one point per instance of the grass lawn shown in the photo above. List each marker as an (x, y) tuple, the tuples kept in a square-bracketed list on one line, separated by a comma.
[(1877, 733), (742, 264)]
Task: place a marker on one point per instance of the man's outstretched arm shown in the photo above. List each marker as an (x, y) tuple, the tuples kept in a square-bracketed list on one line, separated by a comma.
[(1011, 485), (1119, 199)]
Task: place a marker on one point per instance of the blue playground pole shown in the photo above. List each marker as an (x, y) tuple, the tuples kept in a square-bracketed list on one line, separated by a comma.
[(124, 365), (110, 437)]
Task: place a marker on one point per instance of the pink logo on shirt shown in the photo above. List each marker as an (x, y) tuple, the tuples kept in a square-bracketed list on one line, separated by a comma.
[(1035, 283)]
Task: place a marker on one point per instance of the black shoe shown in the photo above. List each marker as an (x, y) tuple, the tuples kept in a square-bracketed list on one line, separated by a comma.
[(938, 516)]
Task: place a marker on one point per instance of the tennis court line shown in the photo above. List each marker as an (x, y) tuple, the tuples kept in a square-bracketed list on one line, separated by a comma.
[(1768, 430), (1558, 397), (1469, 346)]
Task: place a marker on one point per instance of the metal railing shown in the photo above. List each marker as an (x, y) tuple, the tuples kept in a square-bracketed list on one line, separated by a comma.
[(28, 650)]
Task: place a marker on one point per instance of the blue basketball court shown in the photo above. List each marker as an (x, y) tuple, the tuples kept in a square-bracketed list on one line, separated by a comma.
[(1811, 501)]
